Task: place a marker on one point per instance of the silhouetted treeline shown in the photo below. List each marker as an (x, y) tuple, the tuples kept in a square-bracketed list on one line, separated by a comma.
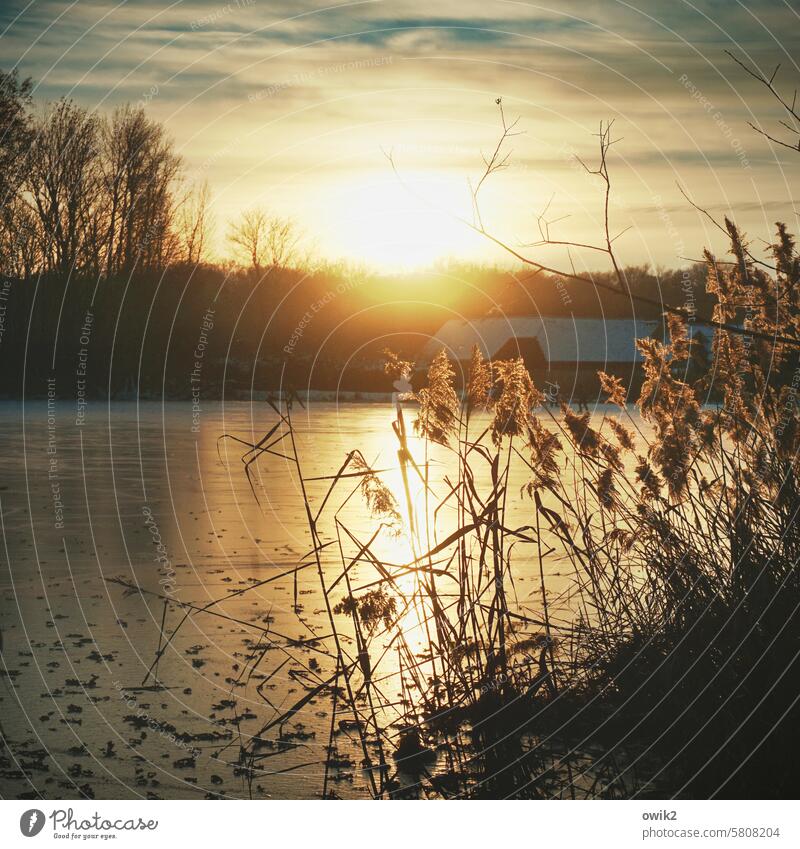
[(105, 283), (144, 334), (557, 296)]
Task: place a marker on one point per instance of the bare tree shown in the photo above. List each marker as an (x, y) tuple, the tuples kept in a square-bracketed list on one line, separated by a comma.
[(62, 182), (15, 133), (264, 240), (283, 239), (139, 173), (15, 139), (195, 223), (248, 235), (20, 239)]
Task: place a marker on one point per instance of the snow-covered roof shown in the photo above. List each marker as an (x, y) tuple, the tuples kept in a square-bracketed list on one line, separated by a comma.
[(583, 340)]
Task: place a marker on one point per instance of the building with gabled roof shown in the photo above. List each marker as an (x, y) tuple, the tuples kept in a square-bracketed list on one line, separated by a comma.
[(554, 341), (558, 350)]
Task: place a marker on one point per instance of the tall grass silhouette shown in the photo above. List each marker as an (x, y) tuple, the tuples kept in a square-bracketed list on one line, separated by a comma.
[(667, 667)]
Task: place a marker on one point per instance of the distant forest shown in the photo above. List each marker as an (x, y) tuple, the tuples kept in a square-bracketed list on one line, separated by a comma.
[(108, 287)]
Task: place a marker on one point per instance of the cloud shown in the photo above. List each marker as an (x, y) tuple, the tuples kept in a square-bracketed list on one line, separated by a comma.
[(310, 93)]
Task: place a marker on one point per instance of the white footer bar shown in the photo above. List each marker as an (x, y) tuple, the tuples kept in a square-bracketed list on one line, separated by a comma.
[(402, 825)]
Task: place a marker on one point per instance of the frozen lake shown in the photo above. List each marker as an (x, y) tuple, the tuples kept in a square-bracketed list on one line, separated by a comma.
[(146, 492)]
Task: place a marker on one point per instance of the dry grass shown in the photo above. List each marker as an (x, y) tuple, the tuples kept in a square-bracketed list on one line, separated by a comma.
[(669, 667)]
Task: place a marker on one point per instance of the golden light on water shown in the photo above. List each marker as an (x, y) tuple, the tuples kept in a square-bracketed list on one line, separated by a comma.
[(402, 549)]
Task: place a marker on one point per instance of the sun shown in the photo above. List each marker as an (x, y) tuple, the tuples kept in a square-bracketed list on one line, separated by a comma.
[(405, 222)]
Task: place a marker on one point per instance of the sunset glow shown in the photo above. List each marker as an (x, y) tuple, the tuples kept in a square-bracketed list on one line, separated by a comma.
[(294, 109), (408, 221)]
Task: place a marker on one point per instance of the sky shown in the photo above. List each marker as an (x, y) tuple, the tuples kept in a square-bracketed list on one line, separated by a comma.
[(297, 107)]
